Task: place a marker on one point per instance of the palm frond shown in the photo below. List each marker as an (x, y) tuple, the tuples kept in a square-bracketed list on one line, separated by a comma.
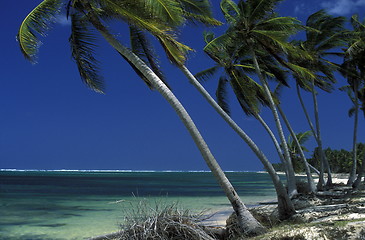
[(207, 73), (144, 50), (302, 72), (249, 94), (169, 11), (199, 11), (38, 22), (82, 48), (208, 36), (221, 94), (304, 136), (175, 51), (259, 9), (198, 18), (230, 10)]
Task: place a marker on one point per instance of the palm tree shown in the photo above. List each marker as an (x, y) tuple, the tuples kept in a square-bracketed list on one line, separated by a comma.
[(254, 26), (352, 91), (354, 70), (247, 92), (322, 39), (302, 137), (300, 151), (87, 14)]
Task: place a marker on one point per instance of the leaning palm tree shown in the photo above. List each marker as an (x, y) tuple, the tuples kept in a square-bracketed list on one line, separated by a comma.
[(247, 92), (286, 208), (253, 25), (323, 38), (87, 15)]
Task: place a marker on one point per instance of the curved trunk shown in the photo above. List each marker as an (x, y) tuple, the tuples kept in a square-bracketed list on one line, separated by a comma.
[(314, 169), (285, 206), (246, 221), (310, 180), (274, 140), (352, 176), (320, 184), (320, 146), (292, 188)]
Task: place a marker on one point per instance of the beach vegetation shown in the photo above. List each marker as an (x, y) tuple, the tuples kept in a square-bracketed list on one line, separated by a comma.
[(163, 222)]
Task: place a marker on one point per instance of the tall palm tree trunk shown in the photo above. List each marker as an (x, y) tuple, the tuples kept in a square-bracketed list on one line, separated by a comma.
[(320, 184), (274, 140), (285, 206), (292, 188), (319, 138), (352, 176), (311, 185), (246, 221)]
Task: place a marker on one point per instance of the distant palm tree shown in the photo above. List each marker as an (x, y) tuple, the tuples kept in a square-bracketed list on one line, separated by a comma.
[(146, 15), (323, 38), (302, 137)]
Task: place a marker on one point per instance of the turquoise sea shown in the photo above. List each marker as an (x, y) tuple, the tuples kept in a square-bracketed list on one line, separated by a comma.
[(65, 205)]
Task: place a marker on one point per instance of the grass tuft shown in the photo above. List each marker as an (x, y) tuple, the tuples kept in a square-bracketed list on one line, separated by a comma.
[(162, 222)]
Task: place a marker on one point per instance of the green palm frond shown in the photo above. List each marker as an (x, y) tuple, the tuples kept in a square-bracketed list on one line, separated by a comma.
[(175, 51), (198, 18), (304, 136), (199, 11), (144, 50), (357, 40), (259, 9), (249, 93), (207, 73), (82, 49), (302, 72), (169, 11), (221, 94), (38, 22), (208, 36), (230, 10)]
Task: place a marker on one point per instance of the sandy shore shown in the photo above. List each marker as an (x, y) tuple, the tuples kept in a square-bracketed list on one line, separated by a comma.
[(219, 217)]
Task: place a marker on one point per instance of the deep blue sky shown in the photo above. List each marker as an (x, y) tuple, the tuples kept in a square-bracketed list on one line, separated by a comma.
[(50, 120)]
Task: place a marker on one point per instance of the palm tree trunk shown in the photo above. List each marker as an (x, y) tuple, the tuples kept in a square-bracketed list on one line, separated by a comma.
[(357, 182), (320, 146), (285, 206), (314, 169), (310, 180), (352, 176), (246, 221), (274, 140), (320, 184), (292, 188)]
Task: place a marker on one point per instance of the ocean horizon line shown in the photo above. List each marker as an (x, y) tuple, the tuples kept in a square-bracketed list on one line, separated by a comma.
[(111, 170)]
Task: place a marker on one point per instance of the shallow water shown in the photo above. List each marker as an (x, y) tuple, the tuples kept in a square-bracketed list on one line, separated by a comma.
[(41, 205)]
